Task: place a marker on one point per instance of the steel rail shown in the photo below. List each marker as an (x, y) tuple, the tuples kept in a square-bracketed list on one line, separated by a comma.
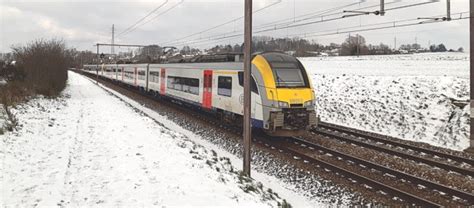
[(415, 179), (360, 178), (379, 138), (427, 161)]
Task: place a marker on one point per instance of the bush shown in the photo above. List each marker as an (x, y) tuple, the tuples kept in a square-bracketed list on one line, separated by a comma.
[(44, 65), (14, 92)]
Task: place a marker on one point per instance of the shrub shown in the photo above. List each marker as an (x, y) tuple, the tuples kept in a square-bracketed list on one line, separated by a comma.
[(44, 65)]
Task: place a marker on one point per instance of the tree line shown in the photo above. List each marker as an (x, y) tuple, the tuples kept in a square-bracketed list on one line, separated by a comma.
[(299, 47)]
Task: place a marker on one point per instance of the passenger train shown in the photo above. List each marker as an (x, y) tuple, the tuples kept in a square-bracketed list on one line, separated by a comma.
[(282, 96)]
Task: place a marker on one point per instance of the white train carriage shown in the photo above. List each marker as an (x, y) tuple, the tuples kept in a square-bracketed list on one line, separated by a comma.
[(282, 96), (211, 86), (133, 74), (109, 71)]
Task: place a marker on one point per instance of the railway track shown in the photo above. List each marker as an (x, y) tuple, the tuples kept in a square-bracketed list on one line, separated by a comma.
[(309, 152), (370, 140)]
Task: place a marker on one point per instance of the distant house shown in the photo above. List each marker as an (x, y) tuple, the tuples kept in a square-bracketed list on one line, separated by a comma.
[(322, 54), (403, 51), (291, 53)]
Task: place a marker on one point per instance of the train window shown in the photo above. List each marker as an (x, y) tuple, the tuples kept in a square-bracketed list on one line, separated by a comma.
[(184, 84), (253, 84), (154, 76), (224, 86), (141, 75), (129, 74)]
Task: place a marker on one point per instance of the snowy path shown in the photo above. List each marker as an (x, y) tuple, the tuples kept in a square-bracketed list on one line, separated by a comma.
[(91, 149)]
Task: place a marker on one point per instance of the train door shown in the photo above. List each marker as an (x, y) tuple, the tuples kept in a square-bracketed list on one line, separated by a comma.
[(207, 89), (162, 81)]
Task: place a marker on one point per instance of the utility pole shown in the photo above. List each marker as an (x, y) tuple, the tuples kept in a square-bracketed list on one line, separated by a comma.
[(448, 8), (247, 137), (113, 37), (395, 43), (471, 55), (382, 8), (97, 68)]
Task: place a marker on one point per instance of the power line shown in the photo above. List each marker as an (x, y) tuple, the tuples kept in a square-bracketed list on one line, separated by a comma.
[(143, 18), (388, 27), (391, 24), (259, 26), (149, 20), (313, 15), (222, 24), (275, 28)]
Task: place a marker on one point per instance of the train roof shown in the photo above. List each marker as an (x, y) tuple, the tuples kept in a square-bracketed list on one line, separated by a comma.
[(272, 57), (214, 65)]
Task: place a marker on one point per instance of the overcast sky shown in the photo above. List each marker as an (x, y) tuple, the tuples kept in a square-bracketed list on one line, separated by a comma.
[(82, 23)]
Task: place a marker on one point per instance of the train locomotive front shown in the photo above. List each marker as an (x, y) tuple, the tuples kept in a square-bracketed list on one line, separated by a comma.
[(286, 93)]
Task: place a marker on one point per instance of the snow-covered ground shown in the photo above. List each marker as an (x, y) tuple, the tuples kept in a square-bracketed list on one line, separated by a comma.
[(406, 96), (90, 148)]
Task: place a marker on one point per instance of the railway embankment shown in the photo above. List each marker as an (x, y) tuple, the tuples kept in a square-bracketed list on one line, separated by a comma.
[(382, 177)]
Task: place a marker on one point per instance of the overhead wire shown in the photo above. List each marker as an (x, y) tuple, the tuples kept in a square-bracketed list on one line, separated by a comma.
[(388, 27), (393, 24), (219, 37), (312, 13), (222, 24), (143, 18), (318, 14), (153, 18)]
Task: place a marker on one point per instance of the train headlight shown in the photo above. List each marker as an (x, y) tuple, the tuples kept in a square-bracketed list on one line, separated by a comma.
[(309, 103), (283, 104)]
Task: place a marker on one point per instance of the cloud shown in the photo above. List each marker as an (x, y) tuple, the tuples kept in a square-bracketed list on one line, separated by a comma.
[(74, 34), (82, 23), (9, 11)]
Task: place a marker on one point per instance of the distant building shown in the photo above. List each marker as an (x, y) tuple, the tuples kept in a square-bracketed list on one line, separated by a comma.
[(403, 51), (291, 53)]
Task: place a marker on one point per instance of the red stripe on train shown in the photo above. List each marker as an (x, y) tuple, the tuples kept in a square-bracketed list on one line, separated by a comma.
[(162, 81), (207, 89)]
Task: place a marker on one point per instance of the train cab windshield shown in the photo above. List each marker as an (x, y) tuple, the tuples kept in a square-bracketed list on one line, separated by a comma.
[(288, 75), (287, 70)]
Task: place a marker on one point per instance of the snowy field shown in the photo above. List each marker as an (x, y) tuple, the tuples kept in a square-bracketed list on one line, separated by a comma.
[(90, 148), (405, 96)]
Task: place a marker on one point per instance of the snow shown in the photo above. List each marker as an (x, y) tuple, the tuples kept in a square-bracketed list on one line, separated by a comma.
[(422, 64), (90, 148), (411, 97)]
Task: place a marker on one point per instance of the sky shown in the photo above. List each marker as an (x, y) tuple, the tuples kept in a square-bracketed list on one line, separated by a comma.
[(83, 23)]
